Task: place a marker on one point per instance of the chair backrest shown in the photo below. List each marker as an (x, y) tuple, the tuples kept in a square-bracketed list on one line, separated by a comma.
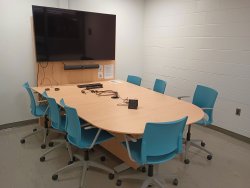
[(32, 98), (162, 138), (73, 126), (134, 80), (160, 86), (54, 111), (205, 97)]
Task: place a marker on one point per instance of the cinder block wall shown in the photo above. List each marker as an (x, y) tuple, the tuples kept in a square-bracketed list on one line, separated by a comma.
[(190, 42)]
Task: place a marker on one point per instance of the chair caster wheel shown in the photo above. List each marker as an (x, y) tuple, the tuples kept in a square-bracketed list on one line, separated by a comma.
[(42, 159), (22, 141), (203, 144), (34, 130), (118, 182), (111, 176), (51, 144), (55, 177), (209, 157), (70, 162), (186, 161), (74, 158), (143, 169), (103, 158), (175, 182), (43, 146)]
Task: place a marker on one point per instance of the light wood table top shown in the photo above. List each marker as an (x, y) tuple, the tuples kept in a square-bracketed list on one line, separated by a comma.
[(103, 112)]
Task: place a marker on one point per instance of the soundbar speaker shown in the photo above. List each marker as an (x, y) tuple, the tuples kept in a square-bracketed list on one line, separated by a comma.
[(75, 67)]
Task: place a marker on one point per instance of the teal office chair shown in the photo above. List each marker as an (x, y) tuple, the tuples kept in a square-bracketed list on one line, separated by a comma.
[(86, 138), (160, 142), (58, 125), (134, 80), (37, 110), (160, 86), (204, 97)]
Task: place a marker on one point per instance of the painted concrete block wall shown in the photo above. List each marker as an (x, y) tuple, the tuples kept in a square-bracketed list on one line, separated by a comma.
[(17, 57), (190, 42)]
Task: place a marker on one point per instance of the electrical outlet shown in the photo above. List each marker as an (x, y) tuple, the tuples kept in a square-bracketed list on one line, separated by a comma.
[(238, 111)]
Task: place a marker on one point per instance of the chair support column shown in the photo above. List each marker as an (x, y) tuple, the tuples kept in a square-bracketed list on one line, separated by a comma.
[(86, 155), (189, 133), (150, 170), (46, 132), (188, 140)]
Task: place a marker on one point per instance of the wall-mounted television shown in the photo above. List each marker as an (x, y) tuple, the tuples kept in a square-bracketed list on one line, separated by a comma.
[(63, 35)]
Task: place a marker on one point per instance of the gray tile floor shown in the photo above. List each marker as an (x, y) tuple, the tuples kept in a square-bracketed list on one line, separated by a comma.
[(20, 166)]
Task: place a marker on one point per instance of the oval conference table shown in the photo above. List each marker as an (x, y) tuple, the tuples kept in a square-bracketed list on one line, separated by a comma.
[(111, 115)]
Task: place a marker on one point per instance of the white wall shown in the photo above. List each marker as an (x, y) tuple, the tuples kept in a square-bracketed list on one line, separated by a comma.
[(129, 31), (17, 56), (189, 42)]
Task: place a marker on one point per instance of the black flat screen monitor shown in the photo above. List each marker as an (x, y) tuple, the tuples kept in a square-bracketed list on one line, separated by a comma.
[(62, 35)]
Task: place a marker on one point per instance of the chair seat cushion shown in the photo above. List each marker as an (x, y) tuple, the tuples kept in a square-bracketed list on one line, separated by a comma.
[(135, 149)]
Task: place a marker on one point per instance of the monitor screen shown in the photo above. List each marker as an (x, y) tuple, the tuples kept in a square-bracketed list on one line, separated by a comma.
[(62, 35)]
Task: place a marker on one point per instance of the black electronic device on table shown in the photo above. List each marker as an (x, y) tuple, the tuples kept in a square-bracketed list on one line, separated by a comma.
[(132, 104), (90, 86), (94, 87)]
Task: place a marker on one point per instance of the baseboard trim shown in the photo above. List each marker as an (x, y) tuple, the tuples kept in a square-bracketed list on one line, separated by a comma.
[(18, 124), (230, 133), (214, 127)]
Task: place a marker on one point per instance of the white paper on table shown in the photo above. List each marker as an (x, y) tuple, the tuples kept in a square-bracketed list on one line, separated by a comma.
[(100, 69), (116, 81), (108, 71), (100, 72), (100, 75)]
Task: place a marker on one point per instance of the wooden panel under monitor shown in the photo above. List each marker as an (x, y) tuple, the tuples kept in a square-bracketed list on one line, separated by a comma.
[(53, 73)]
